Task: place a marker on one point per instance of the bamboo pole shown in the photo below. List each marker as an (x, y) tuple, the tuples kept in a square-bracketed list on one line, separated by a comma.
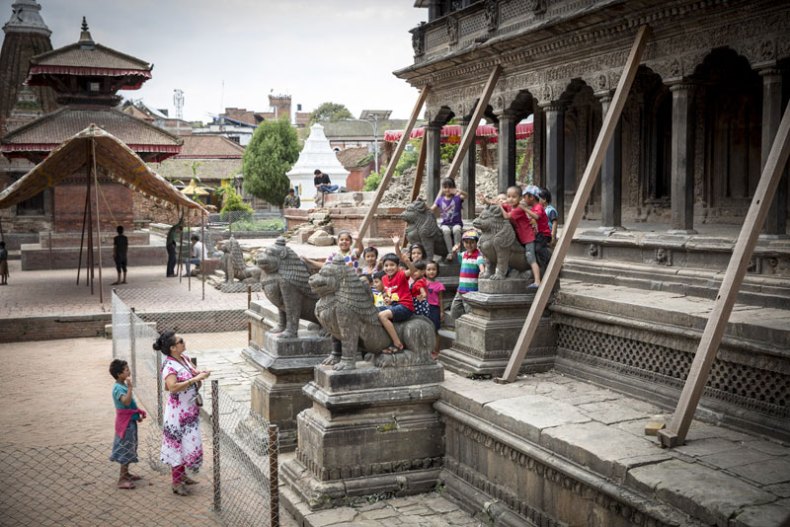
[(675, 433), (577, 208), (385, 181), (98, 220)]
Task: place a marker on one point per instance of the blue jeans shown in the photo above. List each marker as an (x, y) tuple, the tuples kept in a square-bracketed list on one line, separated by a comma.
[(328, 188), (192, 261)]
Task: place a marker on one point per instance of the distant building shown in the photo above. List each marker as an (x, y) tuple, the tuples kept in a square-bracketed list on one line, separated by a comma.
[(238, 124)]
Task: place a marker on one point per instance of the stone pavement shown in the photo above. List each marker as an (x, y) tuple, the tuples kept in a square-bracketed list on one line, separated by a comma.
[(720, 476)]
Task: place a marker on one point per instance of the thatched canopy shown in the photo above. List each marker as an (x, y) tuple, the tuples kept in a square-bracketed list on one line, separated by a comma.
[(121, 165)]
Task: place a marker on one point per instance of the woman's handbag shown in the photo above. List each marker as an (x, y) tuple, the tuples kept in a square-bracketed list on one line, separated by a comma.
[(198, 399)]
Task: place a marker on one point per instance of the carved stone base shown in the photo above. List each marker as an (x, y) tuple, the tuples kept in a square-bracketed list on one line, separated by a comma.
[(370, 431), (286, 366), (484, 338)]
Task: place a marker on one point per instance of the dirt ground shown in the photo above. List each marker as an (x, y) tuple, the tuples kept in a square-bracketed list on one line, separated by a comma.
[(57, 426)]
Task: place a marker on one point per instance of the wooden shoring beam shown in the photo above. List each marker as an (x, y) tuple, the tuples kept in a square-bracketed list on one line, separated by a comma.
[(471, 129), (577, 208), (385, 181), (98, 220), (675, 433)]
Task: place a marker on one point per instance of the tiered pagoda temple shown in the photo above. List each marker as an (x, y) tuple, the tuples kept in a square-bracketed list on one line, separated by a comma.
[(85, 77)]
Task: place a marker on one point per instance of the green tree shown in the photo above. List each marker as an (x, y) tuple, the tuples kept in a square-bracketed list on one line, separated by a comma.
[(271, 153), (233, 205), (330, 111)]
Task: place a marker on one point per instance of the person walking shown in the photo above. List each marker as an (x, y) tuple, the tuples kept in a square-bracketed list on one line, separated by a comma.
[(182, 445), (172, 245), (120, 250)]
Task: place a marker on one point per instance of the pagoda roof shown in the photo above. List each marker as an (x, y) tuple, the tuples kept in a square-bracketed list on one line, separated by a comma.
[(85, 57), (47, 132)]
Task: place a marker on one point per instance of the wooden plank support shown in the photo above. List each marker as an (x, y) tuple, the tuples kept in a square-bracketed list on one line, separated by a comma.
[(471, 129), (577, 208), (675, 433), (385, 181)]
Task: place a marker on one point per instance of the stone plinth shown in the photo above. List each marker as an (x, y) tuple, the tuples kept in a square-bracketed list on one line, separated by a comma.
[(286, 365), (485, 338), (370, 431)]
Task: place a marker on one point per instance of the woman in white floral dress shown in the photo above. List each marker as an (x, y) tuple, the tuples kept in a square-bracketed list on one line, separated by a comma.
[(181, 442)]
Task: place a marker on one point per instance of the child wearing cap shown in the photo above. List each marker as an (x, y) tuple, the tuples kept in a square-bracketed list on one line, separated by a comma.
[(472, 263), (543, 235), (551, 213)]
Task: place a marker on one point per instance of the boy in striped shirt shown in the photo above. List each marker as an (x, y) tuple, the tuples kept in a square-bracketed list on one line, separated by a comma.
[(472, 263)]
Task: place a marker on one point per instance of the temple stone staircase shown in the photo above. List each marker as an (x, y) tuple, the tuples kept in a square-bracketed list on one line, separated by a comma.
[(632, 307)]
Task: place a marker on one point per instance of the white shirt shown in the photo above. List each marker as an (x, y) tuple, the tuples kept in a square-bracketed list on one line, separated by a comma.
[(197, 249)]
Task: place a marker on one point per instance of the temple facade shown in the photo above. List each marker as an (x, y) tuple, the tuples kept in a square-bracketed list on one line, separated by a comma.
[(695, 131)]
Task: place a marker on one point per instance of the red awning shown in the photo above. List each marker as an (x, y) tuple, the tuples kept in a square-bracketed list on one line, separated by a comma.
[(452, 133)]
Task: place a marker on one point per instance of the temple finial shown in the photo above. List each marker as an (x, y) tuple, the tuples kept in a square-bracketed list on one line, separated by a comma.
[(86, 40)]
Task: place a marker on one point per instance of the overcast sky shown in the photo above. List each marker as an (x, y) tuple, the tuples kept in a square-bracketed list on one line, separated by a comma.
[(342, 51)]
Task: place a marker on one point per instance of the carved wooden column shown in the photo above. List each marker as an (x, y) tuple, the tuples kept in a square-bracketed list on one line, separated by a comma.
[(776, 222), (537, 147), (612, 176), (468, 168), (507, 151), (682, 158), (555, 155), (433, 170)]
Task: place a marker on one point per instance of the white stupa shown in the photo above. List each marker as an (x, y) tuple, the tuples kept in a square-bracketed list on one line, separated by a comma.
[(316, 154)]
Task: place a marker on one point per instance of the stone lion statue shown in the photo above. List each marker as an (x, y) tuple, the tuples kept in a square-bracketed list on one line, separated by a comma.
[(346, 311), (421, 227), (234, 265), (499, 244), (284, 279)]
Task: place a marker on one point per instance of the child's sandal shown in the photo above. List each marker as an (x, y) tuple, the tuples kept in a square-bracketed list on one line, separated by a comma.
[(125, 485), (390, 350)]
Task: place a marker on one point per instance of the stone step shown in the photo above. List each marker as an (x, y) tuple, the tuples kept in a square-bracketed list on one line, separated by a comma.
[(642, 342), (757, 290)]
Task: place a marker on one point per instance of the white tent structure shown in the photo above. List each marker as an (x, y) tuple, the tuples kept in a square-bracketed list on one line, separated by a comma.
[(316, 154)]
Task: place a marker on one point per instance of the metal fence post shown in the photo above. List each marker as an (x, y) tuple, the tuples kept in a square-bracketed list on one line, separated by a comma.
[(132, 344), (274, 489), (159, 408), (249, 322), (115, 321), (215, 444)]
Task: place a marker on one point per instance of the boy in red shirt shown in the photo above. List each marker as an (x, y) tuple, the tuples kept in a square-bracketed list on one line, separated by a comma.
[(398, 303), (543, 236)]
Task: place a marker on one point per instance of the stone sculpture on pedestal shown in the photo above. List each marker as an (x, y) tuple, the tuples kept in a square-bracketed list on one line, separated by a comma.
[(421, 227), (233, 263), (284, 279), (499, 244), (346, 311)]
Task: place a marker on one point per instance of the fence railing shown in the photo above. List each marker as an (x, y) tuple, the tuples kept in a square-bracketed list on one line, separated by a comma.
[(243, 447)]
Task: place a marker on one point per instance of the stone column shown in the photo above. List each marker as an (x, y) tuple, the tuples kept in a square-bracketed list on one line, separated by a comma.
[(612, 176), (506, 147), (555, 155), (776, 222), (433, 168), (468, 175), (682, 159)]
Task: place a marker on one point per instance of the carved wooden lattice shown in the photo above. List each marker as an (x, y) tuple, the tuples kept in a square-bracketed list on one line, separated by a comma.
[(741, 384)]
